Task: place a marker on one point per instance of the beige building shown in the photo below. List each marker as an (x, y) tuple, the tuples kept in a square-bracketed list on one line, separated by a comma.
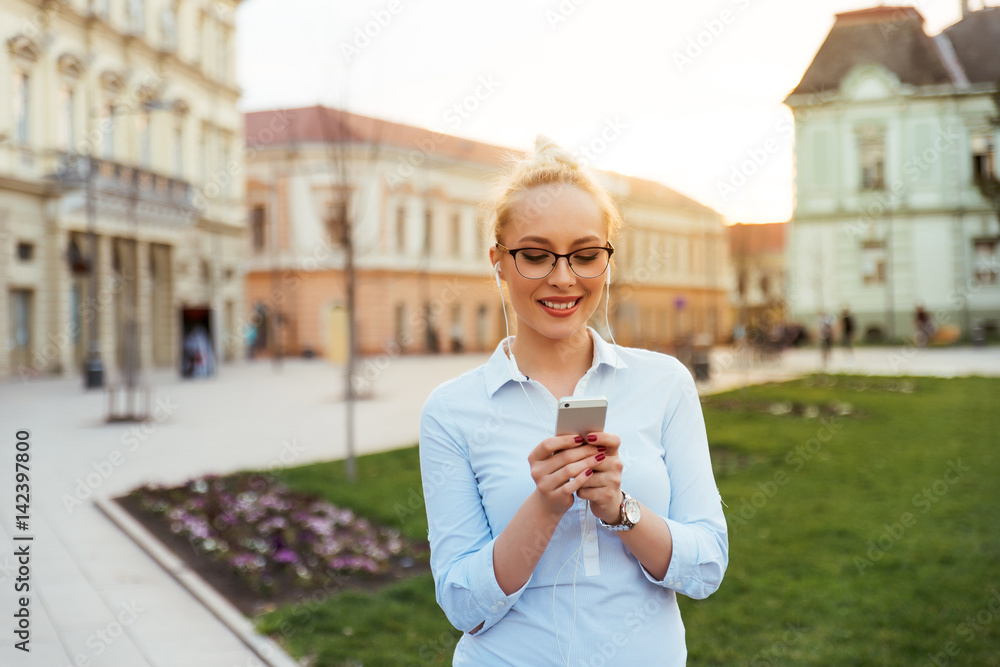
[(757, 286), (118, 132), (424, 282)]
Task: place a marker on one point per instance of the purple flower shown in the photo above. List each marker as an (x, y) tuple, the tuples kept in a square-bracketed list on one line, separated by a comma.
[(286, 556)]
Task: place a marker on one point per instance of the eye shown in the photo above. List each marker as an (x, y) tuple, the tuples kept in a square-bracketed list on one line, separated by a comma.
[(537, 257), (585, 257)]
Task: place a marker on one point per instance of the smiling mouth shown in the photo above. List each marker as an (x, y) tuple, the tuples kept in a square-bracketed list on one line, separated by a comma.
[(559, 305)]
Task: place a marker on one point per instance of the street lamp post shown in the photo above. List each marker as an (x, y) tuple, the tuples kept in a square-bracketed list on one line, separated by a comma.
[(94, 377), (94, 365)]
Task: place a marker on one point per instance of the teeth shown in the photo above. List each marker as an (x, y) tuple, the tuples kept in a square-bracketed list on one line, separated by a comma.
[(559, 306)]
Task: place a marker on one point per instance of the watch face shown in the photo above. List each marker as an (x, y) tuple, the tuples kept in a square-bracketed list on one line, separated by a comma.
[(632, 510)]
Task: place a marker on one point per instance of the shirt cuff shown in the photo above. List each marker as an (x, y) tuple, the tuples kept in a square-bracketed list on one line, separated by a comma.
[(685, 550), (493, 602)]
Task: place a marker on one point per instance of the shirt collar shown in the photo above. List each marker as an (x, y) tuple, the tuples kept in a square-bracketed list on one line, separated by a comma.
[(500, 368)]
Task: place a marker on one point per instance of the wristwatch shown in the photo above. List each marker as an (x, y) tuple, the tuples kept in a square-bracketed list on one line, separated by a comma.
[(629, 512)]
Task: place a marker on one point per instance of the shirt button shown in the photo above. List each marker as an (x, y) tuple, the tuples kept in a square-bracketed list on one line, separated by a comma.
[(500, 603), (494, 607), (591, 537)]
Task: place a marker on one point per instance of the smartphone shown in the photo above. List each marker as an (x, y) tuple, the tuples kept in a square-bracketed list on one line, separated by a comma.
[(580, 416)]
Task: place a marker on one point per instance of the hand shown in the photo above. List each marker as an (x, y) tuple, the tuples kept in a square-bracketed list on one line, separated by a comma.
[(560, 465), (604, 487)]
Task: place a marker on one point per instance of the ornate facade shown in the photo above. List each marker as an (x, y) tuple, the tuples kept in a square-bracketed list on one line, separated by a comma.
[(121, 183)]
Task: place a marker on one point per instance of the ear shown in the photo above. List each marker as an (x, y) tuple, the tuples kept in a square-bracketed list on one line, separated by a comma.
[(495, 260)]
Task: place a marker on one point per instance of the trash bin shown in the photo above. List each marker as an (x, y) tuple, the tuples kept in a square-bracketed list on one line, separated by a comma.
[(700, 357)]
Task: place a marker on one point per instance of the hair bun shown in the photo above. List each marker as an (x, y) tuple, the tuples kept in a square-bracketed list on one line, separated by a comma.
[(548, 151)]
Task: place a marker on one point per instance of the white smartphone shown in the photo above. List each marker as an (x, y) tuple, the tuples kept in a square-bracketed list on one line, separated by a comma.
[(580, 416)]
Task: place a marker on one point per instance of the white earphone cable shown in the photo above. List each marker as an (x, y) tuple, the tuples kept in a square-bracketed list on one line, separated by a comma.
[(515, 372)]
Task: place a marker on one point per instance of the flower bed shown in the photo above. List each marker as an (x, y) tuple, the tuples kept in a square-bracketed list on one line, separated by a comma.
[(267, 535)]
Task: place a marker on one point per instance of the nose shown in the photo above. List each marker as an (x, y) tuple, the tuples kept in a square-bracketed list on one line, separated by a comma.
[(562, 274)]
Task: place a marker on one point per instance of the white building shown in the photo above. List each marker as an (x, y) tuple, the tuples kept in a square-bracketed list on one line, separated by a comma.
[(892, 127), (144, 93)]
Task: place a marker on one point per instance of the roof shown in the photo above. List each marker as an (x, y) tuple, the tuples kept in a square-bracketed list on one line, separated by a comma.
[(976, 40), (321, 124), (747, 239), (893, 37)]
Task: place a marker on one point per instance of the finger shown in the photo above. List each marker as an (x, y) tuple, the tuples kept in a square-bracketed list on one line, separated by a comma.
[(546, 448), (604, 439), (576, 483), (571, 472)]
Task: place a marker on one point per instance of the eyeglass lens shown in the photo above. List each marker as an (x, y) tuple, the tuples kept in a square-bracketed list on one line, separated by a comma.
[(586, 263)]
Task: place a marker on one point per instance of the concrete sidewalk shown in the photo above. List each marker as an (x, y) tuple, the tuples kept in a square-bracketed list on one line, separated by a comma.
[(96, 596)]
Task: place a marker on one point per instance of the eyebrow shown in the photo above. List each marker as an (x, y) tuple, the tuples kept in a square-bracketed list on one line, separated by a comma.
[(542, 239)]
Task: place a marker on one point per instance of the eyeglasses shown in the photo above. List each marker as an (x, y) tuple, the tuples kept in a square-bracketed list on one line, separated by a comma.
[(536, 263)]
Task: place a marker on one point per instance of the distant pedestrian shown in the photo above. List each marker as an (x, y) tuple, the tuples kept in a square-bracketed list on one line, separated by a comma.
[(825, 337), (925, 326), (847, 329), (251, 341)]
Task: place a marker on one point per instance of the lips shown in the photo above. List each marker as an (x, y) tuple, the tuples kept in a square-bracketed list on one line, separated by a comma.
[(560, 306)]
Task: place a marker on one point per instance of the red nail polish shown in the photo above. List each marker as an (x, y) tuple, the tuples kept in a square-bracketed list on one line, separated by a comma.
[(591, 438), (578, 439), (599, 457), (602, 448), (589, 472)]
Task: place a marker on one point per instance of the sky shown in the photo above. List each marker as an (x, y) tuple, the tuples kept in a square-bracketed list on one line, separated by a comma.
[(684, 93)]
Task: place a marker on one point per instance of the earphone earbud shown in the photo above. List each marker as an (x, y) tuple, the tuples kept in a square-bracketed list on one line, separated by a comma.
[(607, 280), (496, 272)]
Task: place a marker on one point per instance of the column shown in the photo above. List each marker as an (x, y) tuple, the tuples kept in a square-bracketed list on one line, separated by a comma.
[(62, 330), (144, 308), (107, 290), (6, 258)]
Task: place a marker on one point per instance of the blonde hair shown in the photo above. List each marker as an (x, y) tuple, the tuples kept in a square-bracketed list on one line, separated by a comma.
[(549, 164)]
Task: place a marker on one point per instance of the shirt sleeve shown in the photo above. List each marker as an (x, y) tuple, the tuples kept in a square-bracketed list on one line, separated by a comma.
[(695, 518), (459, 533)]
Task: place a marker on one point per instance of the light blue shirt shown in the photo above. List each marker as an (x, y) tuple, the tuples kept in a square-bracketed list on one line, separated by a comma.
[(589, 601)]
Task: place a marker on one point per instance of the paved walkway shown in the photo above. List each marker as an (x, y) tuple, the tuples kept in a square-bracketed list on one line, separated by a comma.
[(99, 600)]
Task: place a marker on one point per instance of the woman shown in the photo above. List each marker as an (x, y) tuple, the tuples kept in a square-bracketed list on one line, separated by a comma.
[(536, 555)]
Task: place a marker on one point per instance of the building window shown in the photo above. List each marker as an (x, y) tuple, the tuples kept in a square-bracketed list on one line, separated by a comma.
[(108, 131), (873, 262), (25, 251), (179, 148), (482, 320), (401, 230), (257, 227), (136, 17), (227, 177), (22, 108), (985, 258), (20, 323), (456, 234), (66, 118), (428, 231), (145, 143), (336, 220), (457, 330), (168, 25), (873, 164), (223, 53), (983, 165), (401, 333), (203, 173)]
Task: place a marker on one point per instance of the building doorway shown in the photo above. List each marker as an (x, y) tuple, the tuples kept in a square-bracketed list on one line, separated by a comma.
[(198, 343)]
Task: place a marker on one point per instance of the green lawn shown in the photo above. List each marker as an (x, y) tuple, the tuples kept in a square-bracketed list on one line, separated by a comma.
[(868, 538)]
